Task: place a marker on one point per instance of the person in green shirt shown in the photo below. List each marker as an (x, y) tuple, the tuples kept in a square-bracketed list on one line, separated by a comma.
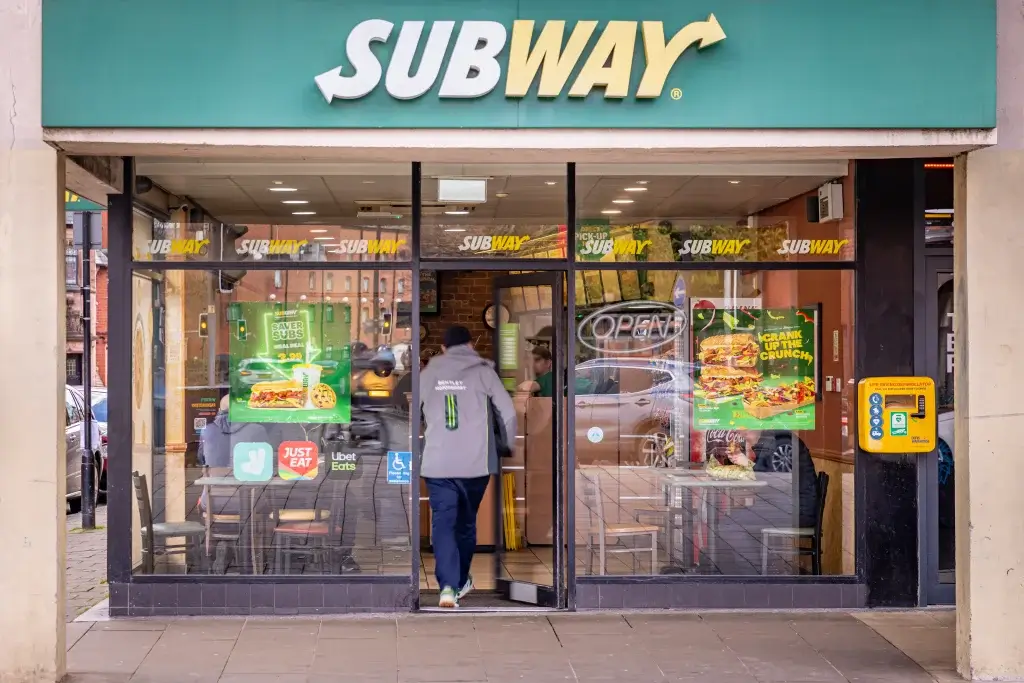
[(544, 384)]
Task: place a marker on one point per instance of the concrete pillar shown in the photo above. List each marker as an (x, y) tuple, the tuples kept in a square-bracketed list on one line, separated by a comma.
[(32, 415), (989, 365)]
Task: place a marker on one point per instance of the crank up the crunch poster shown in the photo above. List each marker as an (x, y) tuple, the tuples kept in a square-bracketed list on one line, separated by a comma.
[(290, 362), (756, 367)]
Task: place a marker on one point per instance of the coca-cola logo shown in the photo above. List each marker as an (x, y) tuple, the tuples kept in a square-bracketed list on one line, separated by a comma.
[(723, 436)]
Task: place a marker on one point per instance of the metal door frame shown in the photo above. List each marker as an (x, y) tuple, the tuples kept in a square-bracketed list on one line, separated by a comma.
[(933, 592), (554, 596)]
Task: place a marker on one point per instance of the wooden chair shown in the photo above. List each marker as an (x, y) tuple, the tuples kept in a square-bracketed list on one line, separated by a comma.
[(309, 532), (598, 532), (222, 528), (800, 534), (156, 534)]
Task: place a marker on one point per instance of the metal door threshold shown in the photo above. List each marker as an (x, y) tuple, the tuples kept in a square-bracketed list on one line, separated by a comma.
[(489, 610)]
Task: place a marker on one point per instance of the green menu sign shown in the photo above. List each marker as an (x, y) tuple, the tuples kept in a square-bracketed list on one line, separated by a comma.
[(508, 338), (757, 367), (290, 362)]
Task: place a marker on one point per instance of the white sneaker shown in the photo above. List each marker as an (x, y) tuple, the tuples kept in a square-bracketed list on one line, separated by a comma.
[(466, 588), (448, 598)]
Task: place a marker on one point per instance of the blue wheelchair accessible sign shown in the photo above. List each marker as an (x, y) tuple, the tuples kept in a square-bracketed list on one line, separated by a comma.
[(399, 467)]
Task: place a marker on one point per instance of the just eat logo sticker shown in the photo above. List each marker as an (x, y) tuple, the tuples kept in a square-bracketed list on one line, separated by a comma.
[(298, 460)]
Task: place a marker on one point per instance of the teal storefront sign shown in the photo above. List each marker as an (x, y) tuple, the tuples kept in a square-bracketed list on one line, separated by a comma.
[(74, 202), (716, 64)]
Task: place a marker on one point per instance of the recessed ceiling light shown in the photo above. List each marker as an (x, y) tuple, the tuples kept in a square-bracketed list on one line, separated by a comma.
[(459, 212), (550, 182), (641, 182), (611, 212), (368, 182), (295, 201), (323, 238), (501, 195), (319, 230), (278, 182), (303, 213), (734, 182), (622, 201), (283, 189), (455, 230), (635, 189)]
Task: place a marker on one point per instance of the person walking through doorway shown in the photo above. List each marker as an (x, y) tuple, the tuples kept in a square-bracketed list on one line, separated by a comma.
[(466, 409)]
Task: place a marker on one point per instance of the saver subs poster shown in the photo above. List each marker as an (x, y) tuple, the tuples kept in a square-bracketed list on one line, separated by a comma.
[(757, 367), (290, 362)]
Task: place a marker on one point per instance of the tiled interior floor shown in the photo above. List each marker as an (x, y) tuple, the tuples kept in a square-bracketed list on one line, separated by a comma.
[(720, 532), (532, 565)]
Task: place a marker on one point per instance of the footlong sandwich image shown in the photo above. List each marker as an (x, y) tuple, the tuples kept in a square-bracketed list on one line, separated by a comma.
[(723, 380), (281, 394), (735, 350), (764, 401)]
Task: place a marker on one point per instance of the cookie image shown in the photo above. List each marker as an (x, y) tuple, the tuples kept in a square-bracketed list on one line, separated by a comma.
[(323, 396)]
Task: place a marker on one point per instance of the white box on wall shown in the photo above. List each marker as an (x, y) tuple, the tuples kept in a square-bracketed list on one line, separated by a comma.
[(830, 202)]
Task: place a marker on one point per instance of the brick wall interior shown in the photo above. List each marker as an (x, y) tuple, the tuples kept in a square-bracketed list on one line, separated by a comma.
[(463, 295)]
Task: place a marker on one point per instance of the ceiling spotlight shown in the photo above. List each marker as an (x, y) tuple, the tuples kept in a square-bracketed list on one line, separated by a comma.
[(635, 189), (734, 182), (368, 182), (641, 182), (501, 195), (550, 182), (364, 299), (316, 230), (278, 182), (456, 212), (283, 189), (303, 213), (622, 201), (295, 201), (611, 212)]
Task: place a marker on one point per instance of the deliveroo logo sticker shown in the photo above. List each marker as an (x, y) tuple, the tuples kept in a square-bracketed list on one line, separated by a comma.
[(253, 461)]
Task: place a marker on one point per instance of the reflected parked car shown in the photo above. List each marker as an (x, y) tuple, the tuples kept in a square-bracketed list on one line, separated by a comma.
[(74, 405), (625, 407)]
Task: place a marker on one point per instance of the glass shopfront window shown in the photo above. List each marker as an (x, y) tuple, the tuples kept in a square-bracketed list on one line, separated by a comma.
[(343, 213), (496, 211), (713, 408), (712, 422), (938, 197), (663, 214), (264, 405)]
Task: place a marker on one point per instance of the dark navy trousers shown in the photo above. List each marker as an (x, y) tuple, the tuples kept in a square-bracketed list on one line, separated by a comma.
[(453, 506)]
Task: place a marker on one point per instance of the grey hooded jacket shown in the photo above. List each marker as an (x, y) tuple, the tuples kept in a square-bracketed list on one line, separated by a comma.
[(457, 392)]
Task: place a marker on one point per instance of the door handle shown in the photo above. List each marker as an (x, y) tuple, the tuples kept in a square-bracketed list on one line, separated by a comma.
[(643, 402)]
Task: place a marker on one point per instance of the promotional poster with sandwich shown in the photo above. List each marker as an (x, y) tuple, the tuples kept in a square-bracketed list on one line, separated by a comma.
[(290, 362), (756, 367)]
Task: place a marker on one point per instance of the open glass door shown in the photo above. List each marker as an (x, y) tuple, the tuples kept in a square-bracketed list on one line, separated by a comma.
[(528, 320)]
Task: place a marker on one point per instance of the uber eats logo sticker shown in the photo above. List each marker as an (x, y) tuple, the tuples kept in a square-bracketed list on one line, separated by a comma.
[(547, 54), (342, 464)]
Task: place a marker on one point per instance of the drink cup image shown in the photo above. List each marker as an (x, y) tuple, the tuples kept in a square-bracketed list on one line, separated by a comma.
[(308, 375)]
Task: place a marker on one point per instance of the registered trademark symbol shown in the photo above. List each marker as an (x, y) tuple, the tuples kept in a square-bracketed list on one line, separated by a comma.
[(676, 94)]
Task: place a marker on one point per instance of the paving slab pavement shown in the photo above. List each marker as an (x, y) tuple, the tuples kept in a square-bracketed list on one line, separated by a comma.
[(639, 647), (86, 563)]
